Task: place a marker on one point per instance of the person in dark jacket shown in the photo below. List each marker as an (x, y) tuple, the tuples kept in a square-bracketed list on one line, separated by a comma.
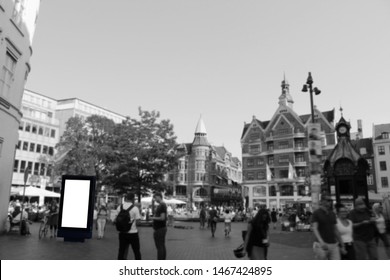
[(363, 231), (256, 239)]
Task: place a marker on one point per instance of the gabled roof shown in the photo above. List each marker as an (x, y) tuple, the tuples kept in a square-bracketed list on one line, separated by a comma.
[(263, 125), (220, 151), (184, 147), (246, 126), (329, 116), (363, 143), (236, 161), (379, 129)]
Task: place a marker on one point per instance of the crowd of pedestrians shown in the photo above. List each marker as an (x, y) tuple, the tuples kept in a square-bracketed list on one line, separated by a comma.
[(351, 234), (339, 233)]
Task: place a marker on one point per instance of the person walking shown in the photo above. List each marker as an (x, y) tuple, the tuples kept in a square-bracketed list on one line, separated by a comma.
[(274, 217), (228, 216), (324, 228), (202, 217), (131, 236), (213, 217), (53, 218), (363, 231), (381, 227), (256, 239), (160, 226), (208, 216), (102, 217), (345, 228), (170, 216)]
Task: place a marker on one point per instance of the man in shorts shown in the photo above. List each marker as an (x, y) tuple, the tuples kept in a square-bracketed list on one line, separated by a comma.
[(324, 227)]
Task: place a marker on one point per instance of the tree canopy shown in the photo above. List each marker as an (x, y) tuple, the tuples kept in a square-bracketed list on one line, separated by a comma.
[(143, 152), (133, 155)]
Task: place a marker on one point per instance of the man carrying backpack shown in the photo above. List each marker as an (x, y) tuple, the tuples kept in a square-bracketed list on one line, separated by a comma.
[(126, 223)]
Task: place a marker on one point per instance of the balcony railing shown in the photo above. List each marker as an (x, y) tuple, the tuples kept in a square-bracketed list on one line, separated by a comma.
[(300, 163)]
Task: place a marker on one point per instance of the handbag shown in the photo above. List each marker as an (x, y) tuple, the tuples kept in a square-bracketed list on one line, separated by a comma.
[(239, 252)]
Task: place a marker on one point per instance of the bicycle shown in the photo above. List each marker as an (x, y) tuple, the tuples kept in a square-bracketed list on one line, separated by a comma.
[(44, 227)]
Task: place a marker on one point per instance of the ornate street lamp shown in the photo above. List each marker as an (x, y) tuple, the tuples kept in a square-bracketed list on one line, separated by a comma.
[(314, 141), (309, 87)]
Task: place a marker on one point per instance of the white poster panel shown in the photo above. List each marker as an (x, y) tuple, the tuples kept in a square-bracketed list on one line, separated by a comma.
[(75, 204)]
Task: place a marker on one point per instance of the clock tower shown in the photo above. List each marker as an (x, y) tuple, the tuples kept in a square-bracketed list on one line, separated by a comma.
[(345, 169), (342, 128)]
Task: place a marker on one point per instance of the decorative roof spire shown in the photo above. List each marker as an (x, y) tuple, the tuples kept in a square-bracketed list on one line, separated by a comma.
[(200, 127), (285, 98), (200, 134)]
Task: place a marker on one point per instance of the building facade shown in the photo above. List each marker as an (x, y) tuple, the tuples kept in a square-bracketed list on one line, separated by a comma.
[(381, 146), (75, 107), (38, 136), (205, 174), (365, 148), (275, 155), (17, 26)]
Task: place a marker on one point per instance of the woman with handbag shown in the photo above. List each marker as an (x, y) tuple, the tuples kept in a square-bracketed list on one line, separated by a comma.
[(213, 220), (256, 239)]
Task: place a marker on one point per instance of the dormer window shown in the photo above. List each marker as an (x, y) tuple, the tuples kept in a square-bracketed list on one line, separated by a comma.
[(385, 135)]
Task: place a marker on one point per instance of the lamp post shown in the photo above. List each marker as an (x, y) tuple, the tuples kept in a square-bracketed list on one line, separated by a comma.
[(314, 144), (309, 85)]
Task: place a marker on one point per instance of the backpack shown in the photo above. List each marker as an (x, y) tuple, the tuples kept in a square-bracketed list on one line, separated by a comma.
[(123, 219)]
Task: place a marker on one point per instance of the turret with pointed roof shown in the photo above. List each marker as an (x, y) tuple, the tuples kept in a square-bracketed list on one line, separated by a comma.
[(200, 134)]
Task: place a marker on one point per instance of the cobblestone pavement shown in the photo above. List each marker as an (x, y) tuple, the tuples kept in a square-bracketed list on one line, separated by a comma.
[(185, 241)]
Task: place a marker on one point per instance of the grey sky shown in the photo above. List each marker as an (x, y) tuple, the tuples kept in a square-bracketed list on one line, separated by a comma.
[(223, 59)]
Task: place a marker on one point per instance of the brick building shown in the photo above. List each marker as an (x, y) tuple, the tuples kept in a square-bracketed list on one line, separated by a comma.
[(275, 154)]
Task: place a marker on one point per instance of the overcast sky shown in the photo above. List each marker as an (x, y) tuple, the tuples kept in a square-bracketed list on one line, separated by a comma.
[(222, 59)]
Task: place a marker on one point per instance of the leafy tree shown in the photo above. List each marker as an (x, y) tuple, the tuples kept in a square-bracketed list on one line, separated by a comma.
[(84, 148), (50, 165), (143, 152), (100, 133), (74, 144)]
